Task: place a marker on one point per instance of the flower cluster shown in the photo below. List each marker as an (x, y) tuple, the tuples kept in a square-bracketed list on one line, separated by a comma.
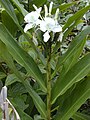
[(46, 24)]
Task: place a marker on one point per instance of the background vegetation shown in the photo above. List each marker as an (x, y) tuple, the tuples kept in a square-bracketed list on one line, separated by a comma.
[(23, 62)]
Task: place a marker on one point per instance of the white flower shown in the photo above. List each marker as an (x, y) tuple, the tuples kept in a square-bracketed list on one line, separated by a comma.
[(32, 19), (49, 24)]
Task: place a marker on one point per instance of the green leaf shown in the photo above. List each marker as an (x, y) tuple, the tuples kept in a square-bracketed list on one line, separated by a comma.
[(80, 94), (38, 3), (1, 114), (20, 101), (8, 22), (63, 7), (75, 74), (76, 16), (11, 78), (22, 114), (71, 56), (37, 117), (40, 105), (73, 20), (20, 7), (6, 56), (80, 116), (21, 56), (7, 5), (2, 75)]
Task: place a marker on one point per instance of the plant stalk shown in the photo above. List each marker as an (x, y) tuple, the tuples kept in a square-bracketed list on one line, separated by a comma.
[(49, 83)]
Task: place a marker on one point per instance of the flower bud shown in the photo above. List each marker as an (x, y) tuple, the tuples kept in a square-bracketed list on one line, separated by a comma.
[(46, 10), (50, 8), (35, 7), (56, 14)]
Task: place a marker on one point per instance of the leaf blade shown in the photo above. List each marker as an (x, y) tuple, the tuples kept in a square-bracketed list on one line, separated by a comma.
[(21, 56), (75, 74), (40, 105), (7, 5), (73, 20), (80, 116), (80, 94), (20, 7), (73, 50), (76, 16)]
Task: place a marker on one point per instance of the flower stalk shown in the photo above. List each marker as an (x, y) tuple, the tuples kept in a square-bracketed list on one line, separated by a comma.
[(49, 81)]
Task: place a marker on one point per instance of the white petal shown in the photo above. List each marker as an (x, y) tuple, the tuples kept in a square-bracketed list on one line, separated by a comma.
[(43, 26), (39, 10), (57, 28), (27, 27), (49, 20), (60, 37), (46, 36), (38, 22), (50, 23), (31, 17)]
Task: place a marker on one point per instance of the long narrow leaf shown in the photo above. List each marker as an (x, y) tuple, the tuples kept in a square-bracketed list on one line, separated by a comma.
[(80, 116), (38, 3), (73, 20), (75, 74), (71, 56), (76, 16), (40, 105), (22, 114), (63, 6), (80, 94), (20, 7), (7, 5), (21, 56)]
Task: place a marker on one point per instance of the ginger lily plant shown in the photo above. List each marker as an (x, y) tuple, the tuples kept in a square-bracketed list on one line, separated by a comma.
[(53, 84), (46, 24)]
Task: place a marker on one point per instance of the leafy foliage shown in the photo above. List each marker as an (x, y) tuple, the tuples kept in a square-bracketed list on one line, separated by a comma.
[(37, 73)]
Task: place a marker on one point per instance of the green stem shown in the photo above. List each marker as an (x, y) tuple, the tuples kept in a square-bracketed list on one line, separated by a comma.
[(49, 83)]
